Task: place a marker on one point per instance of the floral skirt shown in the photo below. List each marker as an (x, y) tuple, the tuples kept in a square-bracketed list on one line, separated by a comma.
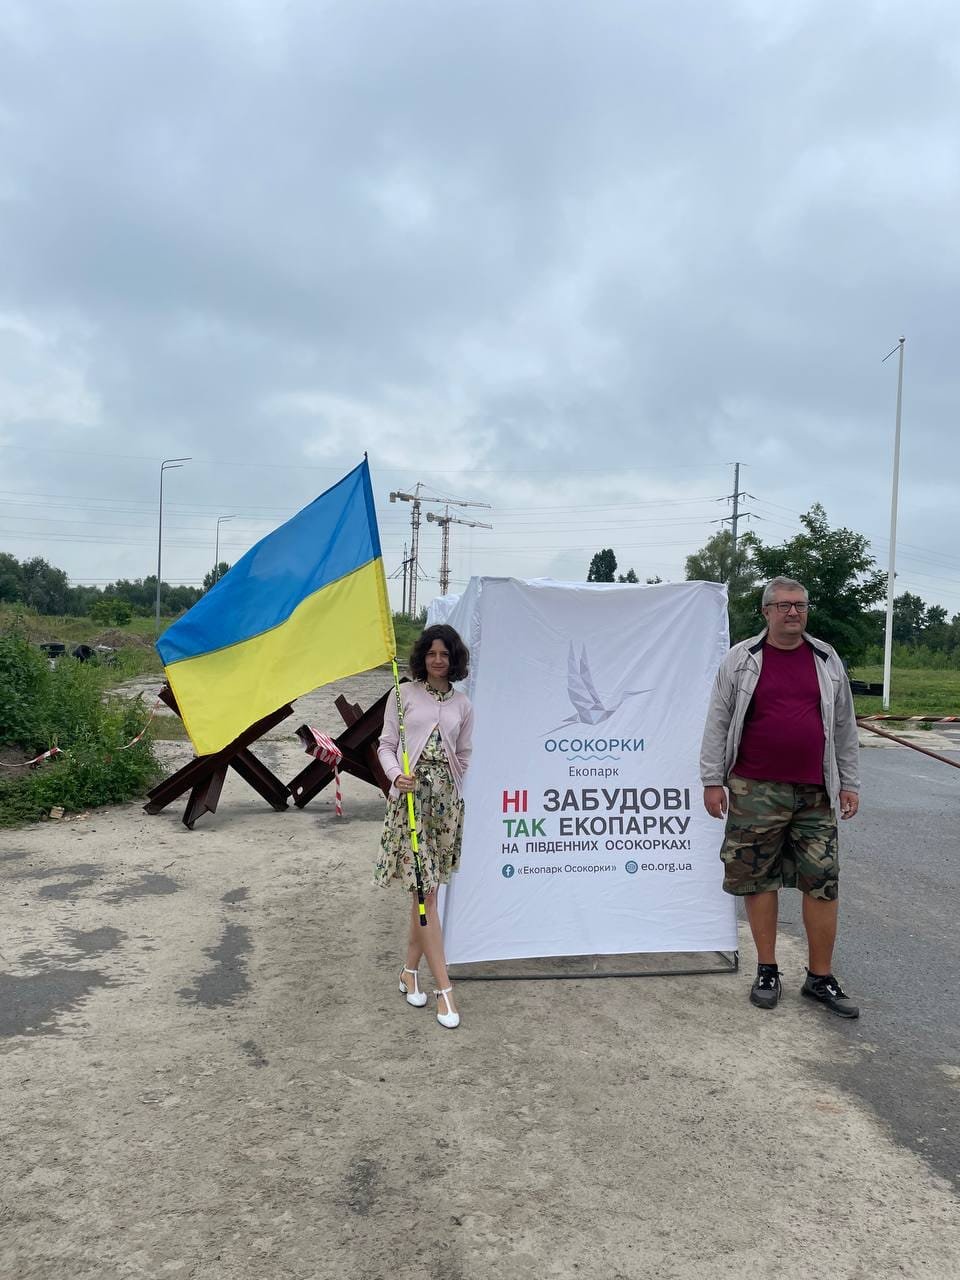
[(439, 817)]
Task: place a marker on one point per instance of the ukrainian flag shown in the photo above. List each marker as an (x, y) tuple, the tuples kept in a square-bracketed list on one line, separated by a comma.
[(307, 605)]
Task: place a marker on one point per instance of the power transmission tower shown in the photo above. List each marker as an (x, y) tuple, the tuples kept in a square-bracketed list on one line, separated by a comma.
[(735, 517), (445, 521), (403, 571), (415, 499)]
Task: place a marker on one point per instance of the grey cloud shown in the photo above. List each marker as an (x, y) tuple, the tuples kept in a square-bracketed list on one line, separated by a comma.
[(516, 239)]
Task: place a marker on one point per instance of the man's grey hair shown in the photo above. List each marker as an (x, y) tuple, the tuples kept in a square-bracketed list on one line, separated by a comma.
[(775, 584)]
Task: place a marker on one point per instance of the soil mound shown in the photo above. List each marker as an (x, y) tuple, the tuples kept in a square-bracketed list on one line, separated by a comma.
[(122, 640)]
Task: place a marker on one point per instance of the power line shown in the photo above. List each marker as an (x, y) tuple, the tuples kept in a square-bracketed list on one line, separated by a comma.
[(574, 468), (93, 582), (129, 506), (98, 524), (13, 536)]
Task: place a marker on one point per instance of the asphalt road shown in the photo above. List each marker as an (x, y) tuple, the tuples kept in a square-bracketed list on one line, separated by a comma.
[(898, 953)]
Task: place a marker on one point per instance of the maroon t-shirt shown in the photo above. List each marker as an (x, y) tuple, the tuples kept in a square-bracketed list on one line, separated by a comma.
[(782, 737)]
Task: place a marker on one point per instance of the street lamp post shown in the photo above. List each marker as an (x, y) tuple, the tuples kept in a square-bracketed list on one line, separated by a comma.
[(216, 554), (891, 571), (168, 464)]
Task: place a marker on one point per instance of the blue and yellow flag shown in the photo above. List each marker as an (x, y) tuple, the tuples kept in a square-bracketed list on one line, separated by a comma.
[(307, 605)]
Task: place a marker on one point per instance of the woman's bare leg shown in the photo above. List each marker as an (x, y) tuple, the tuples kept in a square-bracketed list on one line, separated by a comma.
[(414, 938), (431, 945)]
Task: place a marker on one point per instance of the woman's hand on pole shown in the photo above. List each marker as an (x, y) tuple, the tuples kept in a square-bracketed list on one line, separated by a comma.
[(404, 783)]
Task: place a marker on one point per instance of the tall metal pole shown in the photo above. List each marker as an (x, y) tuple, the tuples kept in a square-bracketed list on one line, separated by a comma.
[(891, 570), (736, 517), (404, 604), (216, 554), (414, 550), (445, 553), (165, 465)]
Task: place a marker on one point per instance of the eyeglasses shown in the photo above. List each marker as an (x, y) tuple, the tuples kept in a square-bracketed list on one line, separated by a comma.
[(784, 606)]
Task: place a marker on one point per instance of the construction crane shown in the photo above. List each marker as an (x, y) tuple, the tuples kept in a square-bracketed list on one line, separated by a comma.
[(415, 500), (445, 521)]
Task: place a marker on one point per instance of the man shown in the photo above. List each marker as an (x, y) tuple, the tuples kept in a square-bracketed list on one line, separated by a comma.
[(781, 737)]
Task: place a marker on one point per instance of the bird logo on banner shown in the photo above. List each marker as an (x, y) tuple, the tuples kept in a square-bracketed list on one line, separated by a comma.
[(589, 707)]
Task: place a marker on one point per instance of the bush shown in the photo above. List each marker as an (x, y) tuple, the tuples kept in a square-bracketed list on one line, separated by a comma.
[(111, 612), (407, 632), (24, 685), (919, 657), (42, 707)]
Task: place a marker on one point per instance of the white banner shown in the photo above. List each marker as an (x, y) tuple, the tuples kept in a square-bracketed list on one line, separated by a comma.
[(585, 831)]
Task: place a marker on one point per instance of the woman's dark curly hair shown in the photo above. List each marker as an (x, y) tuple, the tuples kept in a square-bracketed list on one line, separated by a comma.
[(458, 651)]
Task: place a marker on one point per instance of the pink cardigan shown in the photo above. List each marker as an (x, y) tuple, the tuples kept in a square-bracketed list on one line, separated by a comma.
[(421, 715)]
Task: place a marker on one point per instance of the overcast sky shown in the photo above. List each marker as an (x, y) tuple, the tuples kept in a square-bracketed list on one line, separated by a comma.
[(572, 260)]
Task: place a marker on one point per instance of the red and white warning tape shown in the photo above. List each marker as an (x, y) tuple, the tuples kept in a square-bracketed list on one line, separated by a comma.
[(324, 748), (25, 764), (910, 719), (153, 711), (61, 751)]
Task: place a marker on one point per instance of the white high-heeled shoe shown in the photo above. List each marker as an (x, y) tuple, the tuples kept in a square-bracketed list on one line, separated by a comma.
[(451, 1018), (416, 997)]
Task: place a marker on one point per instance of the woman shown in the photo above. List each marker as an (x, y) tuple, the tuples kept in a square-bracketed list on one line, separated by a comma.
[(438, 721)]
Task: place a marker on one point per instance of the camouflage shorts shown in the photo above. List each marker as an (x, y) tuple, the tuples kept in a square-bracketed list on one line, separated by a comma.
[(780, 834)]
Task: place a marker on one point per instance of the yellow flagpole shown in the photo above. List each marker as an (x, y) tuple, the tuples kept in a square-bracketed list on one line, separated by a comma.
[(411, 814)]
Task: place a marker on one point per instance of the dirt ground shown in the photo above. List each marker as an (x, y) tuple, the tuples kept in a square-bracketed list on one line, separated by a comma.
[(206, 1071)]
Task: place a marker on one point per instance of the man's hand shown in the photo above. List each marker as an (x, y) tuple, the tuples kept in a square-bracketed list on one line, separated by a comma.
[(715, 801), (849, 803)]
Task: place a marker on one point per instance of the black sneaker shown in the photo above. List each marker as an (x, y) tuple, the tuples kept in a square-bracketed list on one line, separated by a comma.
[(766, 989), (829, 992)]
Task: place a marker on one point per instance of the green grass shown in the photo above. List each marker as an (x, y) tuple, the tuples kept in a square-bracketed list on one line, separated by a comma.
[(136, 658), (134, 642), (168, 729), (406, 631), (66, 706), (912, 692), (70, 629), (71, 705)]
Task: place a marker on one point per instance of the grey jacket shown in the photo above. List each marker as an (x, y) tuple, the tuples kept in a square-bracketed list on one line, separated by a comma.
[(732, 692)]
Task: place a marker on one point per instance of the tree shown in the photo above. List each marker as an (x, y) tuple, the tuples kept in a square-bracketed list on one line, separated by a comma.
[(717, 562), (837, 569), (111, 612), (11, 577), (918, 625), (142, 594), (178, 599), (909, 619), (80, 600), (139, 594), (936, 629), (629, 576), (603, 566), (45, 588), (214, 575)]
